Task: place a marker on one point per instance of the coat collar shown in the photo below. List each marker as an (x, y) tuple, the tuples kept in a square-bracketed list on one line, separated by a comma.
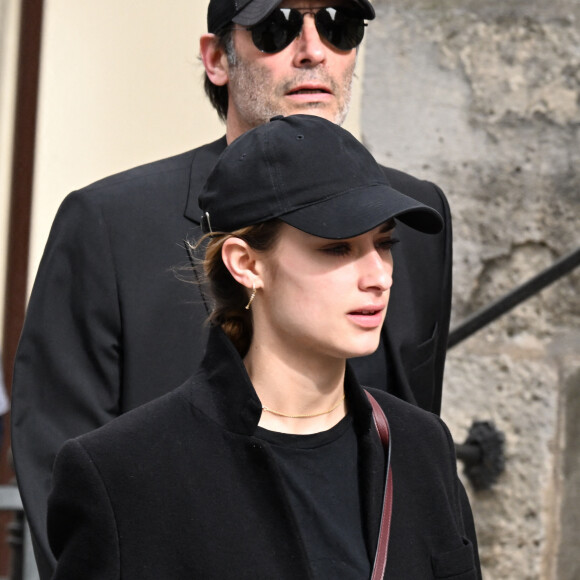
[(203, 162), (223, 391)]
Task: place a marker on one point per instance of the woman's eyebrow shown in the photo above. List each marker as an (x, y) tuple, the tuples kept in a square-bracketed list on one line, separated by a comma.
[(388, 226)]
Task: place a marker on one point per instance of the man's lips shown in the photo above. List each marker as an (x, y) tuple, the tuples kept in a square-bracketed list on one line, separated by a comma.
[(310, 90)]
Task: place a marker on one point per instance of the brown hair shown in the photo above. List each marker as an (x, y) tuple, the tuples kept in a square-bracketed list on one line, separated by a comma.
[(230, 297)]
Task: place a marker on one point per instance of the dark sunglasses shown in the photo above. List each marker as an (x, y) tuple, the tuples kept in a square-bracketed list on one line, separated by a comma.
[(344, 29)]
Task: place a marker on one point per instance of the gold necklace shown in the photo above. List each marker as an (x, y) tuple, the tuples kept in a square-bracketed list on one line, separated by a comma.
[(306, 416)]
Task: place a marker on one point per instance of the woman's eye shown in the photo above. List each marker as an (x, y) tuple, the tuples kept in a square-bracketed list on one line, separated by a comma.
[(387, 244), (339, 250)]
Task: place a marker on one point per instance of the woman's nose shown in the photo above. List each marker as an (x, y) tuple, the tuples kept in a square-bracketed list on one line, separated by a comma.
[(376, 271)]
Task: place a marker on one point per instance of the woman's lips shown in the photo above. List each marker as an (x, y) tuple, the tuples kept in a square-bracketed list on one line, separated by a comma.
[(370, 317)]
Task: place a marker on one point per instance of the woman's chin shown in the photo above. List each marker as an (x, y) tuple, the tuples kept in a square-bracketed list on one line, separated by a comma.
[(363, 350)]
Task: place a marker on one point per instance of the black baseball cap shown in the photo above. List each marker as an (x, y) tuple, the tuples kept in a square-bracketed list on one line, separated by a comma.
[(311, 174), (221, 13)]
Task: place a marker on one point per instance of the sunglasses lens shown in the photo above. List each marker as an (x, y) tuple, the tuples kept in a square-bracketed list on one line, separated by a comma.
[(277, 31), (342, 29)]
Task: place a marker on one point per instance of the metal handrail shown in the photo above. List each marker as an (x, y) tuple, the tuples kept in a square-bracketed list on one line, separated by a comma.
[(482, 453), (498, 308)]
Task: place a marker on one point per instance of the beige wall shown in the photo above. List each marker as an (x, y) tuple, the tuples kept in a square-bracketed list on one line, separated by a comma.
[(120, 86), (9, 11)]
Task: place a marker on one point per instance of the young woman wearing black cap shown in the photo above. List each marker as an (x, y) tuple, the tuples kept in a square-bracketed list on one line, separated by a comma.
[(266, 463)]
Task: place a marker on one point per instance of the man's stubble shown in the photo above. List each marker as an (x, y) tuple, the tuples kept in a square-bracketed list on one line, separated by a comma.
[(257, 98)]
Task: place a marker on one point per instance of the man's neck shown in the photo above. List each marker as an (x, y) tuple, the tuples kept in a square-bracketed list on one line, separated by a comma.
[(234, 130)]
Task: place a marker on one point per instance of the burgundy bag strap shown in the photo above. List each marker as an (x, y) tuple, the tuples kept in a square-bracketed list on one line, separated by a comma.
[(382, 426)]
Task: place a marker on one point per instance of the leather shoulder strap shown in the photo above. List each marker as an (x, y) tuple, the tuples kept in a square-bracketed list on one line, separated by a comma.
[(382, 426)]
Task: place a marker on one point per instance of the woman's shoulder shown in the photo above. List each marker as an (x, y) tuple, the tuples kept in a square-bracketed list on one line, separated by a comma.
[(411, 420), (144, 425), (422, 447)]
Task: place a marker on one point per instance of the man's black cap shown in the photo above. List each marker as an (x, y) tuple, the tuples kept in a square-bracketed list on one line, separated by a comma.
[(311, 174), (221, 13)]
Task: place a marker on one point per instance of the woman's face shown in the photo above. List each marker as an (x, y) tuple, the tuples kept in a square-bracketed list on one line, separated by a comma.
[(325, 297)]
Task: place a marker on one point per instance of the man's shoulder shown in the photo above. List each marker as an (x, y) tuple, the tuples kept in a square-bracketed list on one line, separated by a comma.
[(148, 188), (162, 170), (420, 189), (145, 186), (153, 169), (160, 184)]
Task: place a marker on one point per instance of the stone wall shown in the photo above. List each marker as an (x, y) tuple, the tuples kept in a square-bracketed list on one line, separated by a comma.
[(484, 99)]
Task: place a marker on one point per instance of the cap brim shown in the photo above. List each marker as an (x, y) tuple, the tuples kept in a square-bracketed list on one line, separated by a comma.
[(255, 12), (367, 10), (360, 210)]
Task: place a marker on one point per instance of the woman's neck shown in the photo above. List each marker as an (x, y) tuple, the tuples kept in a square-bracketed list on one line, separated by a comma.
[(303, 394)]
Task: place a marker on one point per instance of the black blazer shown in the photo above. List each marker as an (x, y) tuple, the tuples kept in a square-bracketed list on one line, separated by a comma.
[(182, 489), (110, 327)]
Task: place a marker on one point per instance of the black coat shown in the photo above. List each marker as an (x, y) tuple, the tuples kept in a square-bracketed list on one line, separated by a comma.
[(110, 327), (182, 489)]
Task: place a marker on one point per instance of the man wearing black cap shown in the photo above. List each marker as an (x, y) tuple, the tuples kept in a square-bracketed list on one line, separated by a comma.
[(109, 326), (257, 74)]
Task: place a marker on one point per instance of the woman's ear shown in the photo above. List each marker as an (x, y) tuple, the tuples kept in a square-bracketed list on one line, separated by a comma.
[(214, 58), (241, 261)]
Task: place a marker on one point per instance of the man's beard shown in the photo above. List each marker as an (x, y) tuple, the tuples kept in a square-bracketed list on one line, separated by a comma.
[(257, 100)]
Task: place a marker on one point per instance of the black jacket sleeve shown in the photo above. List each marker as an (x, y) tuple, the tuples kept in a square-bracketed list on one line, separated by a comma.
[(67, 368), (463, 507), (420, 304), (81, 521)]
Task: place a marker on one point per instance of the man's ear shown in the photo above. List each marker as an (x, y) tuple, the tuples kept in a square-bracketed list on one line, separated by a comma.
[(241, 261), (214, 58)]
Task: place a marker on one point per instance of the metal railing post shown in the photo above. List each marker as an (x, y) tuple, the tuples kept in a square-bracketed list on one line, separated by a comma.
[(482, 453), (23, 564)]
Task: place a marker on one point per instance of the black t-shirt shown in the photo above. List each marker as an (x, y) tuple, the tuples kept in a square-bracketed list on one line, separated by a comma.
[(321, 476)]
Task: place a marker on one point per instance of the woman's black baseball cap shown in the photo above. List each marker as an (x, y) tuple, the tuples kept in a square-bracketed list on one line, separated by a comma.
[(221, 13), (311, 174)]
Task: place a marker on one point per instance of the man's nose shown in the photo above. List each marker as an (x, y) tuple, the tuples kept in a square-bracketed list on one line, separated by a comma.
[(310, 48)]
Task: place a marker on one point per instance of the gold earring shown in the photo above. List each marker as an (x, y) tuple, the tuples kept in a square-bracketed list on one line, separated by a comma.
[(252, 296)]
